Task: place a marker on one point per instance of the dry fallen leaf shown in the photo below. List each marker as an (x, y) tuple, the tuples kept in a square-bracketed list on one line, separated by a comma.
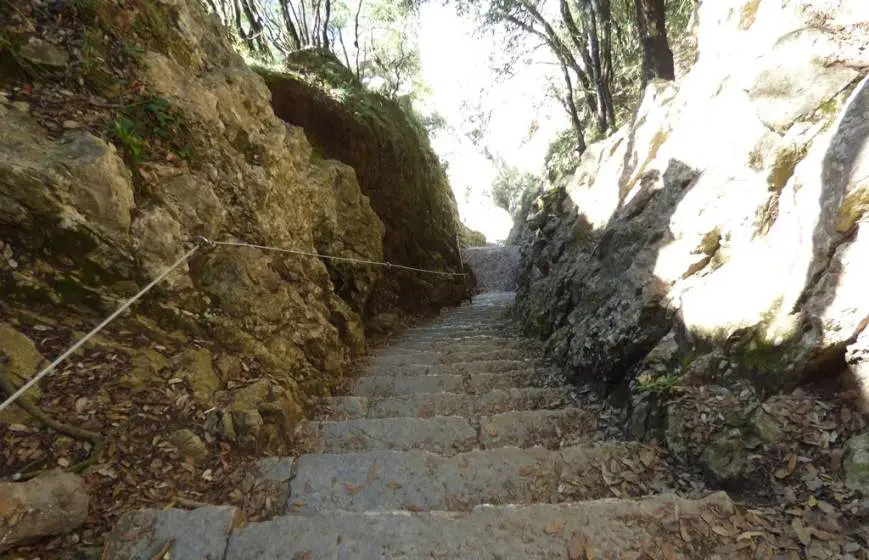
[(579, 547), (803, 534), (554, 528)]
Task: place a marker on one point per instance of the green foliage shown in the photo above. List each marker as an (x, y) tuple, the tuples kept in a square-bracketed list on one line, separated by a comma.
[(511, 187), (150, 125), (562, 158), (662, 384)]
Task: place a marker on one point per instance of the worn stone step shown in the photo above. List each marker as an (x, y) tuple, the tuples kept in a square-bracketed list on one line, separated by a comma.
[(390, 385), (664, 526), (440, 341), (144, 534), (546, 428), (449, 435), (447, 356), (424, 481), (426, 405), (397, 385), (483, 366)]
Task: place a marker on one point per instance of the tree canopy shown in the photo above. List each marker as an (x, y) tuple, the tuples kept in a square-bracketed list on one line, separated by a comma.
[(376, 39)]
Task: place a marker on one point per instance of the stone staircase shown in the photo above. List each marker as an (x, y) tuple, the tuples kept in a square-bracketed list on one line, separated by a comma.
[(455, 442)]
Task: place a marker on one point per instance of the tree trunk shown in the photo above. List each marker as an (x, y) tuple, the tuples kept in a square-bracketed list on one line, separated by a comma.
[(326, 24), (604, 16), (290, 25), (651, 25), (590, 57), (570, 105)]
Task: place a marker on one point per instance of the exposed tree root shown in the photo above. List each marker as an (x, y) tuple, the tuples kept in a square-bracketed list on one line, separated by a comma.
[(30, 407)]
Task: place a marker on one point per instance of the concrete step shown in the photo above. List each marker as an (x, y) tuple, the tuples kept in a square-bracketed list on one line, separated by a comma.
[(662, 526), (449, 435), (426, 405), (424, 481)]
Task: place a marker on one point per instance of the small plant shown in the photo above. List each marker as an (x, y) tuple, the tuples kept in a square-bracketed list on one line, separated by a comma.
[(127, 136), (663, 384)]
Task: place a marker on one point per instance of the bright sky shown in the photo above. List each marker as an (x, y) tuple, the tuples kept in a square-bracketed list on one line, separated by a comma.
[(456, 66)]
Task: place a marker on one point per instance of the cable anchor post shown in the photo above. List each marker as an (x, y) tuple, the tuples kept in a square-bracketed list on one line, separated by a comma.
[(203, 243)]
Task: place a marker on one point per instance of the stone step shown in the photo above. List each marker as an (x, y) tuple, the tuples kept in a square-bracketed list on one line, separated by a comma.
[(426, 405), (447, 356), (397, 385), (661, 526), (440, 341), (449, 435), (424, 481), (483, 366), (547, 428)]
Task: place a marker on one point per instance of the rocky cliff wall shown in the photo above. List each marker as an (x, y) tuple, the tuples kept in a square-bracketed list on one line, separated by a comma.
[(396, 168), (719, 240), (125, 132)]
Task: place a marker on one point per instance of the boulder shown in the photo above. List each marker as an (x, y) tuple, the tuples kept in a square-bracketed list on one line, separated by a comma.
[(50, 504)]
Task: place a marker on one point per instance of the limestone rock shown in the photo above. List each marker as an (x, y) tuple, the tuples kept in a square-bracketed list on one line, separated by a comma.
[(745, 242), (189, 444), (51, 504), (196, 369), (723, 456), (22, 359), (43, 53), (396, 168), (856, 463), (145, 365)]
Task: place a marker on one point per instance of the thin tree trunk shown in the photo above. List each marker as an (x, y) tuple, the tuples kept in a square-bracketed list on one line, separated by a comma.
[(326, 24), (303, 37), (303, 23), (290, 25), (356, 41), (344, 48), (558, 47), (315, 28), (652, 27), (604, 17), (571, 110), (579, 39)]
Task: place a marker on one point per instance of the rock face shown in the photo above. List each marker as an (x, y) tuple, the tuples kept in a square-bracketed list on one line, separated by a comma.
[(714, 240), (728, 211), (396, 168), (90, 214)]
